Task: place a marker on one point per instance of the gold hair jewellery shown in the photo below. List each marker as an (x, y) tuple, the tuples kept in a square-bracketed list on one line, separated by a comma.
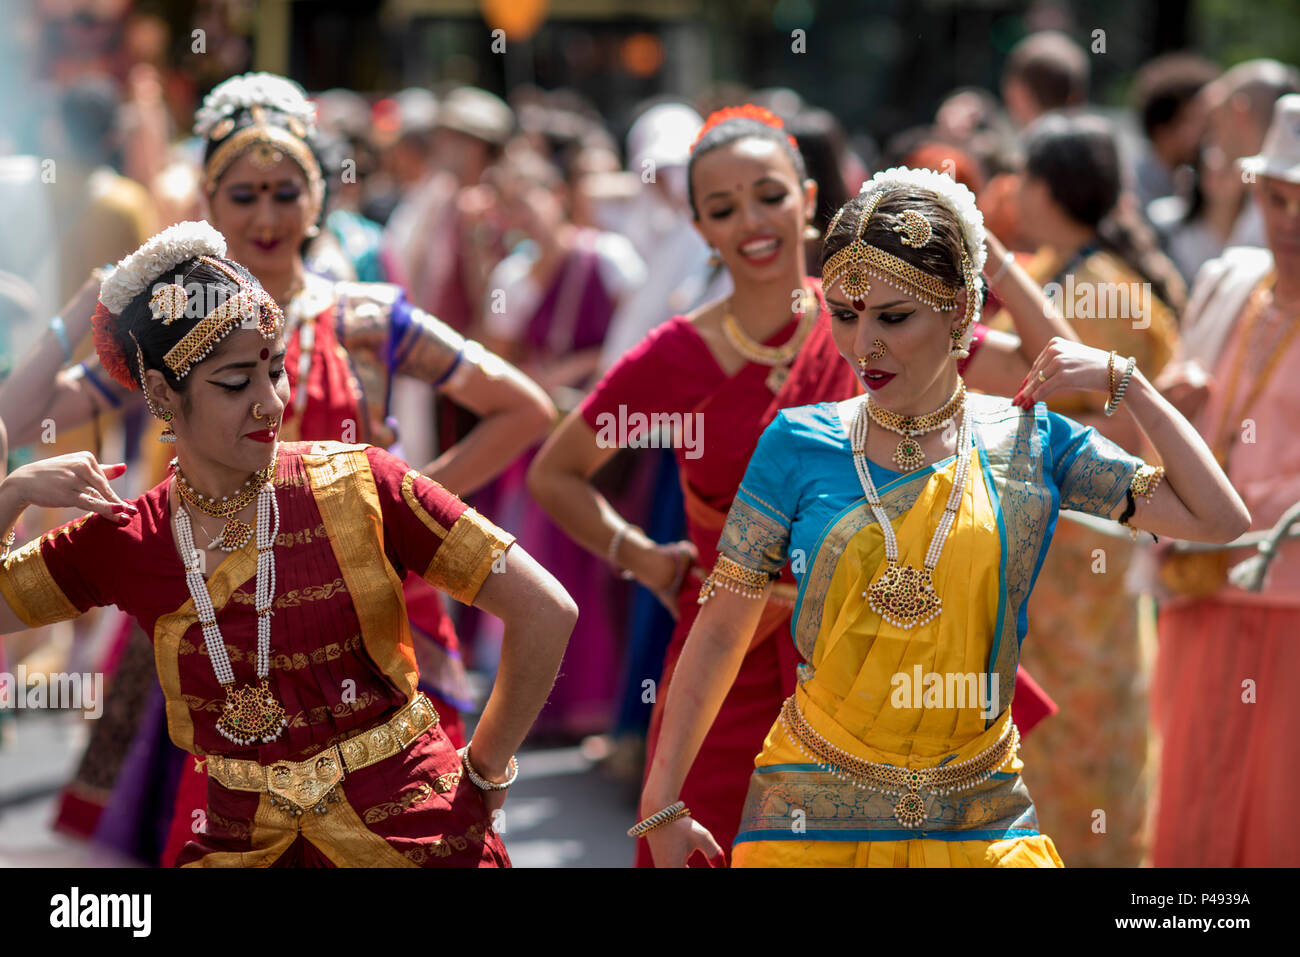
[(249, 305), (854, 266), (267, 145), (908, 454)]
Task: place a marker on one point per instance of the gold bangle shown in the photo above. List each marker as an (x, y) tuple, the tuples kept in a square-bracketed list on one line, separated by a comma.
[(9, 542), (673, 812)]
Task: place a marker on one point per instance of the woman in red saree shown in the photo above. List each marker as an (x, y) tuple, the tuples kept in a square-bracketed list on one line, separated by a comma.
[(283, 646), (752, 202), (347, 342)]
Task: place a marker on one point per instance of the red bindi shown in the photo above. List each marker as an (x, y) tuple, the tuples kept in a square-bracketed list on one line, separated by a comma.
[(264, 353), (859, 305)]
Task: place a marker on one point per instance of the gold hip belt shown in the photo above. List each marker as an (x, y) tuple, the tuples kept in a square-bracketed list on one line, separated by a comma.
[(298, 786), (890, 779)]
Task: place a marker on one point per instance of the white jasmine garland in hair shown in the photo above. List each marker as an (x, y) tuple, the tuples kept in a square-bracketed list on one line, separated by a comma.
[(161, 254), (956, 196), (253, 89)]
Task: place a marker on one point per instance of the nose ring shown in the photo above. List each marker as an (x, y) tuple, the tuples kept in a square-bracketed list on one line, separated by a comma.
[(257, 410)]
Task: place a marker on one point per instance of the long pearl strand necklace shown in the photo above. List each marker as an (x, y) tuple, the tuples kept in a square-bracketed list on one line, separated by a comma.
[(904, 596), (251, 713)]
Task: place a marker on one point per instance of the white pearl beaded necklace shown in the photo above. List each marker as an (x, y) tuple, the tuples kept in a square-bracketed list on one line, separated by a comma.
[(268, 526), (900, 589)]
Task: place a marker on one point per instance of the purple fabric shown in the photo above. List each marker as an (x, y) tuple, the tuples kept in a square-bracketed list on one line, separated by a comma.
[(138, 815)]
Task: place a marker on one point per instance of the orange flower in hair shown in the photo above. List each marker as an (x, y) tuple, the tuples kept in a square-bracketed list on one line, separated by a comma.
[(748, 111), (109, 352)]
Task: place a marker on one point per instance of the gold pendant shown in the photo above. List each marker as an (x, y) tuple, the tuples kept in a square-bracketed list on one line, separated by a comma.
[(908, 454), (776, 378), (904, 596), (251, 715), (909, 810), (234, 535)]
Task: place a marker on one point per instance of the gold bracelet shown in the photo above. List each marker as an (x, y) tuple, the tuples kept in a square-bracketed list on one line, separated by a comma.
[(9, 542)]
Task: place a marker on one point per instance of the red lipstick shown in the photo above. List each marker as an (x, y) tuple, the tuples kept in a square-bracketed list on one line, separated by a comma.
[(265, 435), (876, 378)]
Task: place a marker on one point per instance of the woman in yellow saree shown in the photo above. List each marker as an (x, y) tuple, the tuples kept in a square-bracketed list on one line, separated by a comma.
[(897, 748)]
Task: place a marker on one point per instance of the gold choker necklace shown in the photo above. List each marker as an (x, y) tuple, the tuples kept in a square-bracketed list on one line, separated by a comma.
[(908, 455), (236, 532)]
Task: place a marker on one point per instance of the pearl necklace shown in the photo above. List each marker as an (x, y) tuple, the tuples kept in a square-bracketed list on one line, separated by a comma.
[(903, 596), (908, 454), (251, 713)]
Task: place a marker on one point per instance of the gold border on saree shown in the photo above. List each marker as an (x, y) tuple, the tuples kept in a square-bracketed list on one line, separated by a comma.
[(891, 780), (309, 785)]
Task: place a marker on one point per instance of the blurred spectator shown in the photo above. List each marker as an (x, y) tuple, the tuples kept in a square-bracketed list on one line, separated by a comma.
[(1070, 201), (1165, 96), (439, 243), (649, 205), (99, 215), (973, 119), (1044, 71), (1238, 107)]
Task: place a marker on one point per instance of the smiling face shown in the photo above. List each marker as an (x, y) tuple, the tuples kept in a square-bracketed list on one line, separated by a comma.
[(751, 206), (214, 421), (264, 213), (915, 374)]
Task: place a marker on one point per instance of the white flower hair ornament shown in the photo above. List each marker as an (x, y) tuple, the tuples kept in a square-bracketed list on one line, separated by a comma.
[(254, 89), (161, 254)]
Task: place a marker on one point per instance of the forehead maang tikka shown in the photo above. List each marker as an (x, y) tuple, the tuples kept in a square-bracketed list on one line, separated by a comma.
[(857, 264)]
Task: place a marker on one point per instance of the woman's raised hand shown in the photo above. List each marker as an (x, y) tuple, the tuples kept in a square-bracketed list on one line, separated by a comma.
[(671, 845), (1065, 366), (76, 480)]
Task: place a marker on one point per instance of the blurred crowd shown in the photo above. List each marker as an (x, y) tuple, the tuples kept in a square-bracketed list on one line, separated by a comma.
[(559, 239)]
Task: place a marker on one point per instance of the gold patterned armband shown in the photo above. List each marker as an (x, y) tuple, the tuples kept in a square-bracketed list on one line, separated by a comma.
[(1145, 480), (734, 577)]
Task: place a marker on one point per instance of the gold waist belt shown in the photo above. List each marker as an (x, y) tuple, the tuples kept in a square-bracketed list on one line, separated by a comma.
[(298, 786), (891, 780)]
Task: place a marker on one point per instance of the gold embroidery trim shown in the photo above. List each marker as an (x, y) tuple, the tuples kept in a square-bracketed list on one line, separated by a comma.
[(30, 589), (344, 489), (464, 559), (413, 502)]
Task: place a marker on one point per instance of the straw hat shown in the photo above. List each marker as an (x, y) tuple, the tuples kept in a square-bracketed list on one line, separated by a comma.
[(1280, 155)]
